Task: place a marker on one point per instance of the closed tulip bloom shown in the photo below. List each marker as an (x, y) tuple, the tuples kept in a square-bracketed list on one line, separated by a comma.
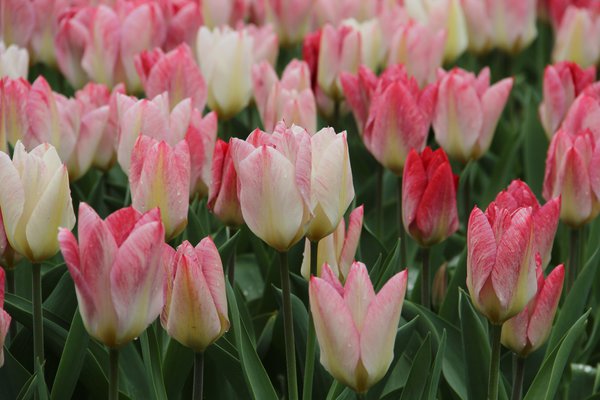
[(8, 257), (372, 42), (201, 136), (556, 9), (545, 218), (217, 13), (429, 197), (337, 250), (160, 177), (195, 312), (290, 18), (355, 327), (332, 189), (175, 72), (183, 21), (223, 198), (4, 318), (14, 62), (358, 90), (500, 261), (576, 37), (584, 113), (35, 200), (528, 331), (563, 83), (117, 270), (467, 111), (14, 122), (274, 170), (334, 12), (17, 21), (572, 172), (265, 43), (399, 118)]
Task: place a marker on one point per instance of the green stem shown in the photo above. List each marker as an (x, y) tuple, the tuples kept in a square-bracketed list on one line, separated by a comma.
[(198, 375), (574, 253), (466, 196), (38, 317), (231, 262), (361, 396), (379, 201), (496, 333), (402, 232), (519, 372), (425, 280), (113, 384), (288, 327), (11, 288), (309, 364)]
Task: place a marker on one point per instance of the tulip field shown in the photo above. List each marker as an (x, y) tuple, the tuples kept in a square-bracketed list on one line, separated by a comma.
[(299, 199)]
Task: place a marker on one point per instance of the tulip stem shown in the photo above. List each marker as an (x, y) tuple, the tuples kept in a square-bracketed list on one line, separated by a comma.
[(38, 317), (198, 375), (519, 372), (113, 384), (288, 327), (379, 201), (11, 288), (401, 226), (496, 333), (425, 280), (231, 262), (574, 256), (309, 364)]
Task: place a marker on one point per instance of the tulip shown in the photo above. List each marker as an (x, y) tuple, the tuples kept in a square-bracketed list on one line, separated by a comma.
[(4, 318), (545, 218), (217, 13), (429, 197), (14, 62), (334, 12), (584, 113), (200, 137), (331, 184), (337, 250), (372, 43), (195, 312), (17, 21), (35, 200), (500, 261), (14, 122), (467, 111), (576, 37), (572, 168), (160, 177), (289, 99), (556, 9), (175, 72), (290, 18), (8, 257), (265, 43), (528, 331), (223, 199), (563, 83), (273, 170), (355, 327), (419, 48), (183, 21), (399, 118), (116, 267), (358, 90)]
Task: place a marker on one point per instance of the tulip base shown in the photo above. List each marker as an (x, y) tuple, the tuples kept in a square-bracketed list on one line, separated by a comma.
[(38, 316), (309, 364), (496, 334), (288, 327), (198, 375), (113, 384), (519, 373)]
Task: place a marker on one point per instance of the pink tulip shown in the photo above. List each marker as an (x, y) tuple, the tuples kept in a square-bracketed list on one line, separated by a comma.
[(160, 177), (334, 12), (337, 250), (576, 37), (358, 90), (429, 197), (584, 113), (501, 261), (217, 13), (545, 218), (175, 72), (195, 312), (4, 318), (557, 8), (183, 21), (289, 99), (572, 172), (274, 170), (17, 21), (399, 118), (528, 331), (563, 82), (223, 199), (116, 267), (290, 18), (13, 111), (467, 111), (8, 256), (372, 42), (46, 25), (201, 136), (355, 327)]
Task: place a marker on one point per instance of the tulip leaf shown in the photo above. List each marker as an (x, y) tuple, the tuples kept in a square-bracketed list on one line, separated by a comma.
[(546, 382), (177, 365), (434, 377), (389, 268), (417, 380), (71, 361), (535, 144), (449, 308), (256, 377), (13, 376), (153, 362)]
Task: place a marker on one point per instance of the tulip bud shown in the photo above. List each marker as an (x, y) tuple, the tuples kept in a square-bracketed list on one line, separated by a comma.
[(195, 312), (576, 38), (183, 23), (17, 22), (584, 113), (358, 90), (429, 197), (200, 137), (14, 62), (14, 122), (337, 249), (223, 199), (467, 111), (372, 46), (528, 331), (439, 288), (217, 13), (35, 200), (4, 318), (290, 18), (355, 327), (116, 267), (563, 82), (572, 168)]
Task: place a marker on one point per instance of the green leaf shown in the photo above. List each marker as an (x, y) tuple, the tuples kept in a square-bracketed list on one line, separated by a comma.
[(153, 362), (547, 380), (13, 376), (71, 360), (449, 308), (177, 365), (417, 378), (434, 378)]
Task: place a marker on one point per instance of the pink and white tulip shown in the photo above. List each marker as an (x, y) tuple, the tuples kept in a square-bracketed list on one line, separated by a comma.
[(355, 327), (467, 111), (584, 113), (372, 44), (14, 122), (35, 200), (118, 272), (223, 198), (14, 62), (160, 177), (291, 19), (217, 13), (195, 312), (4, 318), (184, 18), (528, 331), (577, 37), (17, 22), (358, 90)]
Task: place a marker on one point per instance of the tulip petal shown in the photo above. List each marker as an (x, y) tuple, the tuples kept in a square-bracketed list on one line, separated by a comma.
[(12, 197), (545, 307), (358, 293), (212, 269), (545, 224), (493, 102), (414, 183), (481, 252), (351, 240)]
